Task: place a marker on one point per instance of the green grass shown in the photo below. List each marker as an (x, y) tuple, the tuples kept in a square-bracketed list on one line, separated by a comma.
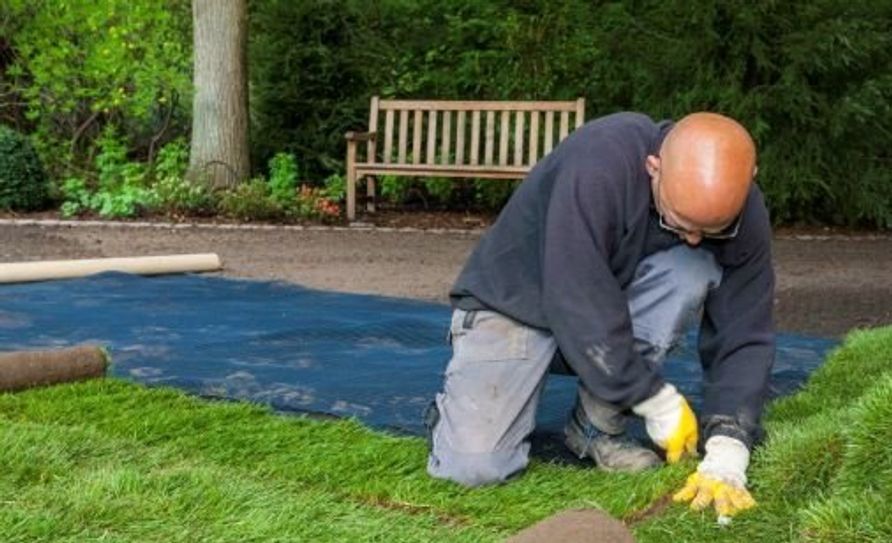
[(111, 461)]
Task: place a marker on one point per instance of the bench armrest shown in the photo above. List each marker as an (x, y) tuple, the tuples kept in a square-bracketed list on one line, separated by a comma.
[(360, 136)]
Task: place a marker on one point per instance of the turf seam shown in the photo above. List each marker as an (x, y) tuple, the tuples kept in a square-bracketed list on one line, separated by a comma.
[(653, 510)]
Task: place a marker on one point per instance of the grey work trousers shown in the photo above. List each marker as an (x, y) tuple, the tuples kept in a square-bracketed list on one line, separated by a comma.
[(492, 385)]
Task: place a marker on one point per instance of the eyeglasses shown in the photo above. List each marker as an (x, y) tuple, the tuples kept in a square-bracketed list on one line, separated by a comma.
[(729, 232)]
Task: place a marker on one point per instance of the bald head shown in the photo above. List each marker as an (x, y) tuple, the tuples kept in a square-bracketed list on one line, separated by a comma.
[(706, 165)]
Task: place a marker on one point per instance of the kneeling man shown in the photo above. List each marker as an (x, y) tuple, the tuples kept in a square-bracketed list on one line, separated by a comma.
[(628, 232)]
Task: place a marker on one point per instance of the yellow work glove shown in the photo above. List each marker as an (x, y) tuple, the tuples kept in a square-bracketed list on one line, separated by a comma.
[(670, 423), (720, 479)]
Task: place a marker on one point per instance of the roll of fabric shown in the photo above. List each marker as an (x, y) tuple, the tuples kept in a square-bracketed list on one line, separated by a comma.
[(26, 369), (22, 272)]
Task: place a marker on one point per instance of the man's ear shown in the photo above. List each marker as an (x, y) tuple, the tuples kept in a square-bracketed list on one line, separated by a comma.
[(652, 163), (755, 171)]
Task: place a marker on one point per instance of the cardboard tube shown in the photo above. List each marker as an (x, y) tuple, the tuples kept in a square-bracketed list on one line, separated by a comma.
[(26, 369), (20, 272)]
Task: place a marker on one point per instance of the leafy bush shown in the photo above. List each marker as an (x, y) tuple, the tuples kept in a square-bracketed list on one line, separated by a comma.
[(177, 195), (336, 187), (282, 178), (78, 65), (492, 194), (278, 198), (250, 201), (23, 183), (393, 188), (77, 197), (313, 203), (121, 187), (439, 188)]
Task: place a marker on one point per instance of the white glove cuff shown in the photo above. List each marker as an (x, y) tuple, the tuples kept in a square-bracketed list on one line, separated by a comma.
[(726, 459), (664, 401)]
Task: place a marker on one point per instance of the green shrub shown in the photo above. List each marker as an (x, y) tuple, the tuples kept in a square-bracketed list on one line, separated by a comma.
[(314, 204), (282, 179), (23, 183), (336, 187), (394, 189), (250, 201), (178, 196), (279, 198), (440, 189), (172, 159), (493, 193), (78, 65), (77, 197), (121, 188)]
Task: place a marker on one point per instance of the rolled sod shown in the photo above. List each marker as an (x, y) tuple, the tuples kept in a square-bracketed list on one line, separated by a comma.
[(576, 526), (26, 369)]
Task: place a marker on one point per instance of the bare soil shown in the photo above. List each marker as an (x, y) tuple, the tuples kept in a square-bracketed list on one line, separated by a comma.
[(827, 284)]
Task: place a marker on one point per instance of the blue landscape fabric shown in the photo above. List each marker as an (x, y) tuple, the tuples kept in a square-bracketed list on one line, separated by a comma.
[(296, 349)]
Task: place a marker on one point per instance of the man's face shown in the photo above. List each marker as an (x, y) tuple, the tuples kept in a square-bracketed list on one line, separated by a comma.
[(674, 221)]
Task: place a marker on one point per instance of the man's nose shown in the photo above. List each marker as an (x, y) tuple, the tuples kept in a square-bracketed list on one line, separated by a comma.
[(693, 238)]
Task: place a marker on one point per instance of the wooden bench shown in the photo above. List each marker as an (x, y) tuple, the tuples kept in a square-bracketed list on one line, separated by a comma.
[(452, 138)]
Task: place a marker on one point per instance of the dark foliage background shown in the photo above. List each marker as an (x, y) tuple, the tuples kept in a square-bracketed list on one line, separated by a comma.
[(812, 79)]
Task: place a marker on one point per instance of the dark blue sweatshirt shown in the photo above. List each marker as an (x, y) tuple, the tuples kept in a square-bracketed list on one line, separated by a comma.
[(566, 246)]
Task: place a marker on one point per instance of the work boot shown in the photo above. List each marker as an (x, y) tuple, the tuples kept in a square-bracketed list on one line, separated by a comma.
[(609, 452)]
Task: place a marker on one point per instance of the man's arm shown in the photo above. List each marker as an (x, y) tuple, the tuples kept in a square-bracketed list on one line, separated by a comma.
[(737, 337), (737, 350), (585, 306)]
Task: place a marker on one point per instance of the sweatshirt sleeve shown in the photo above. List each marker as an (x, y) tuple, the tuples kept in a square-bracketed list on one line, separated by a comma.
[(584, 304), (737, 340)]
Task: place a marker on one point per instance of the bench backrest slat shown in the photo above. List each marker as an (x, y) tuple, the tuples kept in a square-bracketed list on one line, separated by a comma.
[(460, 138), (549, 132), (431, 135), (490, 137), (388, 135), (416, 137), (447, 136), (475, 137), (404, 129), (534, 138), (519, 119), (503, 138)]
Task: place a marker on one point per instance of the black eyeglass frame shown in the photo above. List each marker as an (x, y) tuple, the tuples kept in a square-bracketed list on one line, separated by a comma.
[(728, 233)]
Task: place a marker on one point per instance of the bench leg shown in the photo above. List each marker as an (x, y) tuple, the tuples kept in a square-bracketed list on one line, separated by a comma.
[(370, 193), (351, 181)]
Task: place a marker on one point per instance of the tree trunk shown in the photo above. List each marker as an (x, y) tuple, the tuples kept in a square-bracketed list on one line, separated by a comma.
[(219, 153)]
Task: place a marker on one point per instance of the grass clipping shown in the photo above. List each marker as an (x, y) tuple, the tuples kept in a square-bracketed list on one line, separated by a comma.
[(109, 460)]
